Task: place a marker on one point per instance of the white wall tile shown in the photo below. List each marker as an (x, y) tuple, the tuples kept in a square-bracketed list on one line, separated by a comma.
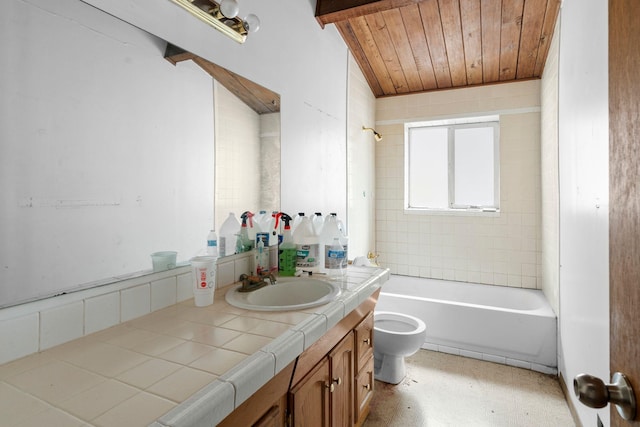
[(61, 324), (86, 311), (135, 302), (226, 274), (101, 312), (242, 266), (163, 293), (19, 337), (464, 248), (184, 287)]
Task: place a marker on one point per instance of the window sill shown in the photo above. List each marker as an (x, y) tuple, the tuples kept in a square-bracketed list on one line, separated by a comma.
[(453, 212)]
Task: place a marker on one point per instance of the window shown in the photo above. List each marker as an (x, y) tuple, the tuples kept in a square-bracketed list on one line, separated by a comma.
[(453, 165)]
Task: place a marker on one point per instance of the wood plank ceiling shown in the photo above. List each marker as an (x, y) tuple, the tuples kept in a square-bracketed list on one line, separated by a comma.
[(409, 46)]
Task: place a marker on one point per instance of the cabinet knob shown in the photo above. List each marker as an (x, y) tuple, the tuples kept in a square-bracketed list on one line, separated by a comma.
[(337, 381), (367, 386), (367, 341), (331, 387)]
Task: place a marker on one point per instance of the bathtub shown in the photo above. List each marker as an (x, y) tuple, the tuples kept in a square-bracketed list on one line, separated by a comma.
[(506, 325)]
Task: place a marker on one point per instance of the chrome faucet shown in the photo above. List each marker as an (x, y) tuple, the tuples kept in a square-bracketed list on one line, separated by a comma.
[(267, 275), (252, 283)]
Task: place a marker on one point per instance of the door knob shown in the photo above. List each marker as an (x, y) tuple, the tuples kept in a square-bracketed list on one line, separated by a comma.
[(594, 393)]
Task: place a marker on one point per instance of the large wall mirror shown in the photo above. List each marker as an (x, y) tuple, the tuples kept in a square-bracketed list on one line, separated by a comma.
[(117, 154), (247, 141)]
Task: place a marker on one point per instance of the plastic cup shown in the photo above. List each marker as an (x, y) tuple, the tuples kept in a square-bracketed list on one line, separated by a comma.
[(164, 260), (203, 272)]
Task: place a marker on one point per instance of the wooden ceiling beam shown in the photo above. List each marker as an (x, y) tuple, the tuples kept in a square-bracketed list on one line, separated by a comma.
[(332, 11), (175, 54), (258, 98)]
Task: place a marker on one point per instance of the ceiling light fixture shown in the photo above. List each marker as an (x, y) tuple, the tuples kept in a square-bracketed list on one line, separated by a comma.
[(376, 135), (222, 16)]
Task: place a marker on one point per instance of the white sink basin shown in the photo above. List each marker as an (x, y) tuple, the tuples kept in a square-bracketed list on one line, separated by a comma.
[(286, 294)]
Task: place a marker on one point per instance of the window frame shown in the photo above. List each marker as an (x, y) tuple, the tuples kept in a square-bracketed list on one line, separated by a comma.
[(451, 125)]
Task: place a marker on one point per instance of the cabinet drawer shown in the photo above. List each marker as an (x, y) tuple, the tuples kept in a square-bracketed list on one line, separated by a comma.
[(364, 341), (364, 391)]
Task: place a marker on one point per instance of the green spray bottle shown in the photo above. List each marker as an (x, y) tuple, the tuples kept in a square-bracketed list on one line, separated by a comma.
[(287, 252)]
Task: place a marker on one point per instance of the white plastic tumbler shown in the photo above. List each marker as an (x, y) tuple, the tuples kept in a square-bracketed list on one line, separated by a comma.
[(203, 271)]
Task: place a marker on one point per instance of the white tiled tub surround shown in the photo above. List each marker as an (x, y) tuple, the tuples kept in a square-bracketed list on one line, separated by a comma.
[(42, 324), (503, 249), (178, 366)]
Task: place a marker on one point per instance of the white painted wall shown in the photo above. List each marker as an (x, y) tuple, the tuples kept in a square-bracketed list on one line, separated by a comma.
[(584, 196), (92, 116)]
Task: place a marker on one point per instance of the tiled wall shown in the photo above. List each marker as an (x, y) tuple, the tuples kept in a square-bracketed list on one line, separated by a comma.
[(237, 146), (550, 176), (42, 324), (502, 250), (270, 162), (361, 147)]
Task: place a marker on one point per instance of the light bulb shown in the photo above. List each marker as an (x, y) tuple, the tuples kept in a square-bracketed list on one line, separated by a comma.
[(229, 8), (252, 23)]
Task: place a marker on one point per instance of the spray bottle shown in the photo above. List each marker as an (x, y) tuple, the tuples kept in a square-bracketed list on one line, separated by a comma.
[(274, 241), (245, 243), (288, 254)]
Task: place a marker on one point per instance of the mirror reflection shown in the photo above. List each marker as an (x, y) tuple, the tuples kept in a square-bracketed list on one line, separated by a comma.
[(247, 141)]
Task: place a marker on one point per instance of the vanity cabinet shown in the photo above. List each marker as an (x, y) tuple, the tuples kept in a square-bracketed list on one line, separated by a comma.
[(324, 397), (364, 380), (329, 384)]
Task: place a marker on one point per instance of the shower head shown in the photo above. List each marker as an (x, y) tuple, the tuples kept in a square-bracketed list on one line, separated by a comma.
[(376, 135)]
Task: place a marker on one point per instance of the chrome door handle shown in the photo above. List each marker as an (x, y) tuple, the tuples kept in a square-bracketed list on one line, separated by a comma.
[(594, 393)]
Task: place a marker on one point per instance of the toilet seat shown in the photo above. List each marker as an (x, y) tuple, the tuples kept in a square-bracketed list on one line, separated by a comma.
[(397, 323)]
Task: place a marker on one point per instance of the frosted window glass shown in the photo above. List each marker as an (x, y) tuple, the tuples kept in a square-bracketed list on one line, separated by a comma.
[(428, 168), (452, 165), (474, 168)]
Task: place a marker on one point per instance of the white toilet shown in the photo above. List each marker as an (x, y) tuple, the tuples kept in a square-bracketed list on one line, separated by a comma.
[(395, 336)]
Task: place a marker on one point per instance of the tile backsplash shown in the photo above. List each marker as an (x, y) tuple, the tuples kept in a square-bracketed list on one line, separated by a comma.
[(35, 326)]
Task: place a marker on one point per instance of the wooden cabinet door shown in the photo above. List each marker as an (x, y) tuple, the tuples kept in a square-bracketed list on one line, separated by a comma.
[(309, 400), (342, 379), (363, 392), (272, 418), (364, 341)]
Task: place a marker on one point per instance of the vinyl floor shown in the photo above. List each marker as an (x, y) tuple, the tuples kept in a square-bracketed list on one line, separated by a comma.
[(446, 390)]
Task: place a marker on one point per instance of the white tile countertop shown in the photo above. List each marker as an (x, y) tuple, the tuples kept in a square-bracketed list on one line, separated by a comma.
[(179, 366)]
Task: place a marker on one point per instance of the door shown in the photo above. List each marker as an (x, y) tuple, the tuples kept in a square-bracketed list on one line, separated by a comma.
[(624, 193)]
